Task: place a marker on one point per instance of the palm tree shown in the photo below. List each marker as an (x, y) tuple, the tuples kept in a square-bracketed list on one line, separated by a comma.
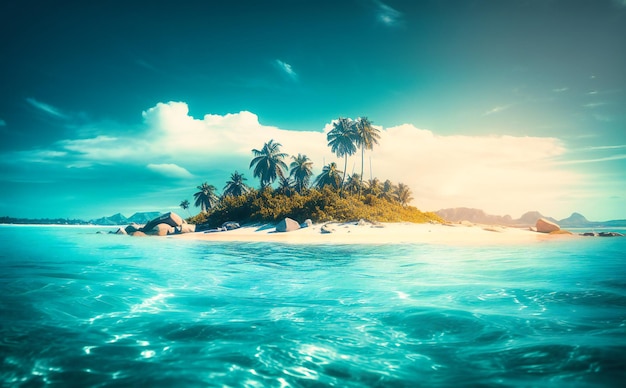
[(341, 140), (329, 176), (185, 205), (268, 163), (206, 197), (236, 186), (301, 169), (389, 191), (353, 183), (374, 187), (285, 186), (366, 137), (403, 193)]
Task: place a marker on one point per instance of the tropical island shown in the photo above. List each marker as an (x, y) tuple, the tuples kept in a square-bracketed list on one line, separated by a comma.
[(333, 195)]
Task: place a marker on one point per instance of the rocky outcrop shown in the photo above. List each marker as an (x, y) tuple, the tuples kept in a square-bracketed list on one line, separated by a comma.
[(159, 230), (132, 228), (307, 223), (610, 234), (545, 226), (162, 225), (186, 228), (287, 225), (120, 231), (171, 219)]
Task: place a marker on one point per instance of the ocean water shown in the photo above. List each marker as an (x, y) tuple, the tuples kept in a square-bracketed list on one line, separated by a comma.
[(84, 309)]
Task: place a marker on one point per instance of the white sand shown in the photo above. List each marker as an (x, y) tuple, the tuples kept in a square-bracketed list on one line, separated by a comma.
[(387, 233)]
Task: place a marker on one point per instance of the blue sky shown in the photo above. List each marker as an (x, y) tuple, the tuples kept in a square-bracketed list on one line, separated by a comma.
[(507, 106)]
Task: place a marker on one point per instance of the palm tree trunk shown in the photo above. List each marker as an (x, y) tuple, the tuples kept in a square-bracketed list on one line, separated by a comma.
[(345, 167), (362, 162)]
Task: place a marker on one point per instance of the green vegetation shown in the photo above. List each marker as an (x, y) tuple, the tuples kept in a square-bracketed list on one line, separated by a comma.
[(331, 197), (319, 205)]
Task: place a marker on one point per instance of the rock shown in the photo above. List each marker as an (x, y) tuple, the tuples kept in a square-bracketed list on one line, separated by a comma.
[(171, 219), (138, 233), (326, 229), (287, 225), (187, 228), (160, 230), (230, 225), (589, 234), (610, 234), (131, 228), (545, 226), (307, 223), (120, 231), (362, 222)]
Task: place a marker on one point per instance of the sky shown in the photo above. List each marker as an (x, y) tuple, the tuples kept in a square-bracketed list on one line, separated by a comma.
[(124, 106)]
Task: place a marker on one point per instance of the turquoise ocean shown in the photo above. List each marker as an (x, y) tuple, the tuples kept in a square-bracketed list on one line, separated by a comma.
[(83, 309)]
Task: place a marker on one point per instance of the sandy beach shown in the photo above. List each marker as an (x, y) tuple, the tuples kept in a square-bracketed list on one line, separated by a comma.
[(385, 233)]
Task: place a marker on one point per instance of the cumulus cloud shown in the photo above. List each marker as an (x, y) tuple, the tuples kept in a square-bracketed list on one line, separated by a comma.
[(497, 173)]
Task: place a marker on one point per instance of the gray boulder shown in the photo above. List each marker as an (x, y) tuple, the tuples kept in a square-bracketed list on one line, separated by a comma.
[(132, 228), (610, 234), (120, 231), (159, 230), (186, 228), (545, 226), (287, 225), (325, 229), (171, 219), (230, 225)]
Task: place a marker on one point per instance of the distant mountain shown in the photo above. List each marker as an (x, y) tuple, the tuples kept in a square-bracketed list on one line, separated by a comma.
[(530, 219), (473, 215), (116, 219), (576, 220), (143, 217), (119, 219)]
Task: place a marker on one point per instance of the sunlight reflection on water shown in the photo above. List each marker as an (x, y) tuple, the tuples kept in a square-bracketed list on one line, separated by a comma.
[(108, 311)]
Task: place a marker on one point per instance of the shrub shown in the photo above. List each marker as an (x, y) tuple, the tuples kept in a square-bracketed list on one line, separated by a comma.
[(318, 205)]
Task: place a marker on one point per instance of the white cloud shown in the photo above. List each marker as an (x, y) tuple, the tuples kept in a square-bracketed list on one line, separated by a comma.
[(593, 105), (608, 147), (170, 170), (287, 69), (501, 174), (595, 160), (497, 109), (387, 15), (49, 109)]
